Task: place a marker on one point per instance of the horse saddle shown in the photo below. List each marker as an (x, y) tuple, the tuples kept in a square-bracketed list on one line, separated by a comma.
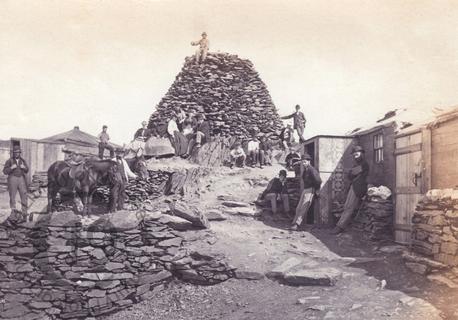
[(76, 168)]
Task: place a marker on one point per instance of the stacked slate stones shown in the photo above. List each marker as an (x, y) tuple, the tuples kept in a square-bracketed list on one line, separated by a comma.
[(228, 90), (377, 217), (435, 226), (59, 268), (138, 191)]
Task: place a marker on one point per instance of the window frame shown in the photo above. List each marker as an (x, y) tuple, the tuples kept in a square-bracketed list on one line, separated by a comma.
[(378, 145)]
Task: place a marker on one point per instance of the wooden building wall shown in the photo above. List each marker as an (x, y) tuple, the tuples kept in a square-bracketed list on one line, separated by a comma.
[(444, 155), (383, 173), (4, 156), (39, 155)]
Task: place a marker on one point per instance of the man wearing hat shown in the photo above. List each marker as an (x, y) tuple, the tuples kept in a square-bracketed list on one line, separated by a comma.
[(16, 169), (104, 139), (201, 136), (143, 133), (358, 188), (204, 45), (310, 183), (275, 191), (298, 122), (238, 156)]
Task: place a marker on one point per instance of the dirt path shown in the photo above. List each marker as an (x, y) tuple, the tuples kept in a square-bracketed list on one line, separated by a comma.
[(258, 246)]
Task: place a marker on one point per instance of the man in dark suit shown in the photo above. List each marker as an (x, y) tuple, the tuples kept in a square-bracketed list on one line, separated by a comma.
[(16, 169), (143, 133), (298, 122), (358, 188)]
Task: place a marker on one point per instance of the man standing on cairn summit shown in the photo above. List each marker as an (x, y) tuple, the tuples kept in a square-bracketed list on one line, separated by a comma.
[(204, 44)]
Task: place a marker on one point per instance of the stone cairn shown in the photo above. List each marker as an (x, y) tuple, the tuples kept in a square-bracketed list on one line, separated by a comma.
[(228, 90), (59, 268)]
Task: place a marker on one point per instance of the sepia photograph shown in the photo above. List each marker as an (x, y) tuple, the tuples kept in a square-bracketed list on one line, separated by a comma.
[(229, 160)]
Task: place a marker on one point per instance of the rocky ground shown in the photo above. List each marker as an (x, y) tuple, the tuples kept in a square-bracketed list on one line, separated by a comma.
[(349, 274)]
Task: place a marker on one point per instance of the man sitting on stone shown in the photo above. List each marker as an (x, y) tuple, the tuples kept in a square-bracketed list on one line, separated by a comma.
[(265, 152), (275, 191), (237, 156), (310, 183), (253, 150), (201, 136), (181, 117), (143, 133)]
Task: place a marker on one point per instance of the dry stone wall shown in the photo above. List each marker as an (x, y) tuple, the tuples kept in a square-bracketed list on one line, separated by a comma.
[(435, 226), (59, 268)]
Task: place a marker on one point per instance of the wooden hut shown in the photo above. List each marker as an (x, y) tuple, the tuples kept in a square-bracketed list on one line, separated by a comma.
[(330, 155)]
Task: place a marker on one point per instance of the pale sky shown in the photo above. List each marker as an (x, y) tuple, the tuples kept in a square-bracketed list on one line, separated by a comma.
[(88, 63)]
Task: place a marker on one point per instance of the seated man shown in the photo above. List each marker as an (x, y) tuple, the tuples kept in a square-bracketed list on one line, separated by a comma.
[(277, 190), (201, 136), (143, 133), (253, 150), (238, 156), (265, 152)]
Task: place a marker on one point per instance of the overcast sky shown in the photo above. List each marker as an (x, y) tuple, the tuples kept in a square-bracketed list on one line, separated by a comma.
[(89, 63)]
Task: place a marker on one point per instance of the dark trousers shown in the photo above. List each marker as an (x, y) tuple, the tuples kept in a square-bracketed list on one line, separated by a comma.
[(102, 147), (16, 184), (118, 196), (265, 157), (253, 156)]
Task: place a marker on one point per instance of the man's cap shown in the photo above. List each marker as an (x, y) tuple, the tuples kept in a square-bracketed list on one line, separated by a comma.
[(204, 33), (357, 149), (104, 126), (17, 148), (306, 156), (282, 173), (298, 106)]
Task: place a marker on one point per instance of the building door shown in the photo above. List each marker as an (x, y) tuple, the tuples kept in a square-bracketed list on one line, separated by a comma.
[(413, 171)]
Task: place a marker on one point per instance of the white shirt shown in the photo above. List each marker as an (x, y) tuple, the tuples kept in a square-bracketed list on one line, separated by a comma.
[(127, 171), (172, 127), (253, 145), (238, 152)]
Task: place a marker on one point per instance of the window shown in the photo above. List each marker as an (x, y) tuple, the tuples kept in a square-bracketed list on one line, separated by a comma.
[(378, 148)]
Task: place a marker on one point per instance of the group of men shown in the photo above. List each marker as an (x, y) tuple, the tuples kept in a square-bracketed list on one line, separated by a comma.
[(187, 131), (259, 152), (310, 184)]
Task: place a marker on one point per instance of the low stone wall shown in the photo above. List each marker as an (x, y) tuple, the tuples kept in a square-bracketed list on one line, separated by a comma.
[(60, 267), (435, 226), (376, 218)]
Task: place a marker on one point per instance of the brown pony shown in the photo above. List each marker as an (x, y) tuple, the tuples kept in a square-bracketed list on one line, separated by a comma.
[(80, 180)]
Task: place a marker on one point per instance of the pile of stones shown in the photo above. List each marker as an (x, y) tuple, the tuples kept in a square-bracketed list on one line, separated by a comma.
[(228, 90)]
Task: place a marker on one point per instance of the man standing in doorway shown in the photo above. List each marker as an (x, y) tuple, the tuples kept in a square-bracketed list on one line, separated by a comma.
[(310, 183), (104, 139), (16, 169), (358, 188), (298, 122)]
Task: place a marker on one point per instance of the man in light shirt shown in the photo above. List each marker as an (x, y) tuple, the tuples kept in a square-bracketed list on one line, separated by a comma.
[(204, 45), (253, 150), (237, 156), (104, 139)]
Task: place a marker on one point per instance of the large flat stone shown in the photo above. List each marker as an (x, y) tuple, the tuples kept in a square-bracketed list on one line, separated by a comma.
[(214, 215), (313, 277), (175, 242), (248, 275), (61, 219), (118, 221), (235, 204), (280, 270), (176, 223), (245, 211), (19, 267)]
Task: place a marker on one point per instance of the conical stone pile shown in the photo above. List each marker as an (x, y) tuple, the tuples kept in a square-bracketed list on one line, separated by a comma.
[(228, 90)]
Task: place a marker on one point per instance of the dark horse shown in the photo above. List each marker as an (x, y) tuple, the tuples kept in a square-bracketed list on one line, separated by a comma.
[(138, 166), (81, 179)]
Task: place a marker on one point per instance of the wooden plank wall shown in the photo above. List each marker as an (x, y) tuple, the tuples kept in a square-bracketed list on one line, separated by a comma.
[(382, 173), (4, 156), (444, 155)]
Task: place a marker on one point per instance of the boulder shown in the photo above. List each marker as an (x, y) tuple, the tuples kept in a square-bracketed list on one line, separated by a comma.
[(115, 222), (190, 213), (279, 271), (313, 277)]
